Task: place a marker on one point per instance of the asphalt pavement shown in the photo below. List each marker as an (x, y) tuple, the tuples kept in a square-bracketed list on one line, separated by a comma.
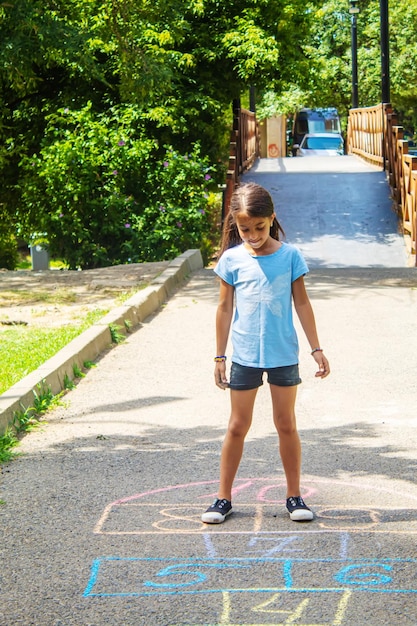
[(100, 521), (337, 210)]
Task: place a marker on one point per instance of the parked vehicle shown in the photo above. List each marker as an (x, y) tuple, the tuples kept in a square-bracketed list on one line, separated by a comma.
[(320, 144), (307, 121)]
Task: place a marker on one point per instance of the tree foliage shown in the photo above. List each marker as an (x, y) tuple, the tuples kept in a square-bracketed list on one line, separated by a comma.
[(175, 65), (329, 80), (163, 74), (109, 196)]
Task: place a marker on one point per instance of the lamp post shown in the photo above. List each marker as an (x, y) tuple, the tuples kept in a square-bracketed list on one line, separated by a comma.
[(385, 79), (354, 10)]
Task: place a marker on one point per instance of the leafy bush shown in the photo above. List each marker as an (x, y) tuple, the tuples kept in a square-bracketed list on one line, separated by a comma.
[(102, 194)]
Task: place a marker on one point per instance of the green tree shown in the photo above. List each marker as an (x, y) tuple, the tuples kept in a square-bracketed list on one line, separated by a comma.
[(46, 60), (178, 64), (185, 61), (403, 61), (109, 195), (329, 80)]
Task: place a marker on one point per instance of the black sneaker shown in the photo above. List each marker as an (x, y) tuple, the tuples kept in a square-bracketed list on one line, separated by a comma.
[(217, 512), (298, 510)]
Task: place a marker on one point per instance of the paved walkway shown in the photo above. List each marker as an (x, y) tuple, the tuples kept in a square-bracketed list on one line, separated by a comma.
[(338, 211), (101, 517)]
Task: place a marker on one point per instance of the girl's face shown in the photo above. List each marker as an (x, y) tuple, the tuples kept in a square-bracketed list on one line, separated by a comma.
[(254, 231)]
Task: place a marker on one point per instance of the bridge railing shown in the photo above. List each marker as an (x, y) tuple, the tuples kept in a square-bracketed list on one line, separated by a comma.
[(244, 149), (365, 134), (374, 135)]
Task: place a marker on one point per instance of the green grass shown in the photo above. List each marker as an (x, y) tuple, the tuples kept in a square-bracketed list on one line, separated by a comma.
[(23, 349)]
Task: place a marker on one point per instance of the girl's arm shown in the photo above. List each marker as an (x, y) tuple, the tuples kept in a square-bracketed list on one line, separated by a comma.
[(305, 314), (223, 320)]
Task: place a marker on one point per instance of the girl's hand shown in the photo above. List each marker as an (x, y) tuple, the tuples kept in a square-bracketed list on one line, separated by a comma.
[(323, 363), (220, 377)]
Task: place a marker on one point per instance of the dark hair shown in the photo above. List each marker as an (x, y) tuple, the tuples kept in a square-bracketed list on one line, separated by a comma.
[(254, 201)]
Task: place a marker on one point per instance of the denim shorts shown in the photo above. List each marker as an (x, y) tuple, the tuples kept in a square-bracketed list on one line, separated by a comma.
[(244, 378)]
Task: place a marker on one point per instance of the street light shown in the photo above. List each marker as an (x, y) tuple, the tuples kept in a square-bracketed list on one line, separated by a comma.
[(354, 10), (383, 9)]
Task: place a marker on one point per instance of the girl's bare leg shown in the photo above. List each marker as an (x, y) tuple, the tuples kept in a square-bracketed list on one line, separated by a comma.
[(239, 423), (283, 404)]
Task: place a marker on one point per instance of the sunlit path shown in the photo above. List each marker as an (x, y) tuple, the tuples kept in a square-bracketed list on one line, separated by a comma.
[(337, 210)]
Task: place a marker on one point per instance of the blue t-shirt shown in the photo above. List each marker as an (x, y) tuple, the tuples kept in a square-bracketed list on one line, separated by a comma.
[(263, 333)]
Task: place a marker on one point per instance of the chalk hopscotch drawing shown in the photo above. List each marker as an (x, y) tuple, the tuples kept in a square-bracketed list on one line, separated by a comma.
[(271, 550), (168, 576), (147, 513)]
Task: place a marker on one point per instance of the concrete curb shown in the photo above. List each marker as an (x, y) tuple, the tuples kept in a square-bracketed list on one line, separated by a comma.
[(96, 339)]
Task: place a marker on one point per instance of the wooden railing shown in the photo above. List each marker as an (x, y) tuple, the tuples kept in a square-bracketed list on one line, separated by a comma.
[(374, 135), (244, 149), (365, 134)]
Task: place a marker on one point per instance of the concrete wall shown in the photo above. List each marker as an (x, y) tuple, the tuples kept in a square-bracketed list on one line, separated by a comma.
[(93, 341), (273, 137)]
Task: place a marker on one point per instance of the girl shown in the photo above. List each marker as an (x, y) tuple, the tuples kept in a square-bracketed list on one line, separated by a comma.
[(264, 276)]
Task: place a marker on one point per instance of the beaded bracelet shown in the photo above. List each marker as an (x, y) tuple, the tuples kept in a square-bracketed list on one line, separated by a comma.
[(317, 350), (220, 359)]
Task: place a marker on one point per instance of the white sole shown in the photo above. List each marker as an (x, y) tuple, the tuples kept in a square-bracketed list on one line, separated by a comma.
[(214, 518), (300, 515)]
